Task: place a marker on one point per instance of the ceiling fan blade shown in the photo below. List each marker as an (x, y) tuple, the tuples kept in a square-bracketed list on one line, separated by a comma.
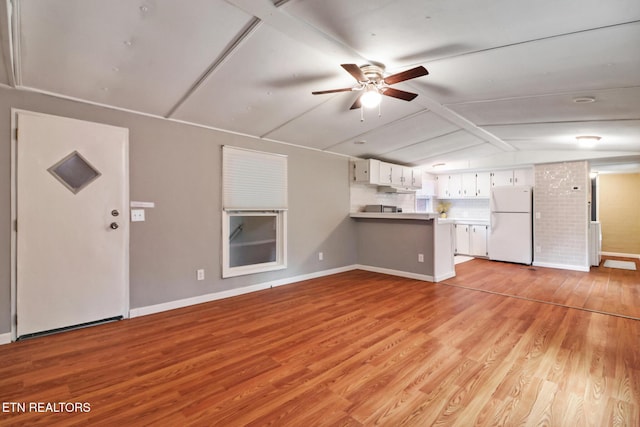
[(406, 75), (356, 104), (400, 94), (355, 71), (322, 92)]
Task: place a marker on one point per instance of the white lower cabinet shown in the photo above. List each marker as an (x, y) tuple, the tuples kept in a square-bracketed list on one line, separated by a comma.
[(478, 240), (462, 239), (471, 240)]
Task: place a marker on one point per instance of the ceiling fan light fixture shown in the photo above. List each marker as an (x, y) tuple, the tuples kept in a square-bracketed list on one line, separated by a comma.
[(588, 140), (371, 97)]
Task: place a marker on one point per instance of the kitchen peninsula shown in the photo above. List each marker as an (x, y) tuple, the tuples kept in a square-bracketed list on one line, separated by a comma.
[(415, 245)]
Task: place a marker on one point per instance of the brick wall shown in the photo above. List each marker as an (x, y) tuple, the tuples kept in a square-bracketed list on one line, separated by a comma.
[(561, 215)]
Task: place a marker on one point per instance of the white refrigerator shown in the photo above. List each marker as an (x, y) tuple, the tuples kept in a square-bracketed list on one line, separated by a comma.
[(511, 233)]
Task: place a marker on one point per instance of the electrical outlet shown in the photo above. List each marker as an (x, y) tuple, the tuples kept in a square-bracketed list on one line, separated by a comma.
[(420, 257), (320, 256), (137, 215), (200, 274)]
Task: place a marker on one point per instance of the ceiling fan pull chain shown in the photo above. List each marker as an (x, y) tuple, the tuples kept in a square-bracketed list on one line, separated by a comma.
[(362, 114), (380, 109)]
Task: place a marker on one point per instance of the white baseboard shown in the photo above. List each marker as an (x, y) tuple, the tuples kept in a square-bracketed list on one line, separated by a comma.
[(621, 255), (5, 338), (409, 275), (444, 276), (562, 266), (171, 305)]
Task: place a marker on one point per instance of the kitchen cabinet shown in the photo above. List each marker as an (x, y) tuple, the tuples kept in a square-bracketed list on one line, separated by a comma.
[(522, 176), (449, 186), (385, 174), (462, 239), (478, 240), (455, 186), (469, 185), (376, 172), (412, 177), (471, 239), (483, 185), (476, 185), (428, 187), (501, 178), (442, 185)]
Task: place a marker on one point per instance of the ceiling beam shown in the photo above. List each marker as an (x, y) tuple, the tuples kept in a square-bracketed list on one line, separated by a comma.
[(298, 30), (341, 53), (221, 59)]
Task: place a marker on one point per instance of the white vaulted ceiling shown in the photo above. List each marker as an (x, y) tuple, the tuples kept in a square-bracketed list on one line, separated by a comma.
[(503, 74)]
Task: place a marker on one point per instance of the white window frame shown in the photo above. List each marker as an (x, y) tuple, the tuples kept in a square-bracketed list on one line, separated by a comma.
[(281, 244), (254, 183)]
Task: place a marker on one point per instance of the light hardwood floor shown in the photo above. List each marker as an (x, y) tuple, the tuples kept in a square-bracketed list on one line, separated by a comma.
[(352, 349), (602, 289)]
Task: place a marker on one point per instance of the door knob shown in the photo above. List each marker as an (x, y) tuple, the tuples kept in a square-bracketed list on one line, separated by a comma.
[(114, 225)]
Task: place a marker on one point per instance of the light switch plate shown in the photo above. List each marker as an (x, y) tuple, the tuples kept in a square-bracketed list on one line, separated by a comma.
[(137, 215)]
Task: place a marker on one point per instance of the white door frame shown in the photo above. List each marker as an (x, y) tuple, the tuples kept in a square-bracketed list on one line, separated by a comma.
[(14, 218)]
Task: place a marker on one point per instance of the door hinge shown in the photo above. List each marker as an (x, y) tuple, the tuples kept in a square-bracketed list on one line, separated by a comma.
[(15, 225), (16, 133)]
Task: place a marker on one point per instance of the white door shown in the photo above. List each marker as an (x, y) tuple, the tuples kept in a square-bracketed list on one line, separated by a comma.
[(72, 256)]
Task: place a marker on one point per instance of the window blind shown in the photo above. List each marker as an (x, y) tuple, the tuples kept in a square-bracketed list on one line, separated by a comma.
[(253, 180)]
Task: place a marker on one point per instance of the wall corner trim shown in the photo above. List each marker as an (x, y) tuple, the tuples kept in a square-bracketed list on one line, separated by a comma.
[(171, 305)]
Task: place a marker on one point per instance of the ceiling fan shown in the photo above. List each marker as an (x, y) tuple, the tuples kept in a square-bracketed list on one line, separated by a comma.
[(371, 81)]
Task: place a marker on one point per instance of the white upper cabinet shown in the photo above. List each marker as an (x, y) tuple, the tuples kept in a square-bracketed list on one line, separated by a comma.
[(522, 176), (442, 184), (468, 185), (483, 185), (376, 172), (386, 175), (429, 183), (474, 185), (502, 178), (413, 177), (455, 186)]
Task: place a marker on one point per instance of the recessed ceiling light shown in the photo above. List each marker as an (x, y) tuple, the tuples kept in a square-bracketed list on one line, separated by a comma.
[(584, 99), (359, 142), (437, 165)]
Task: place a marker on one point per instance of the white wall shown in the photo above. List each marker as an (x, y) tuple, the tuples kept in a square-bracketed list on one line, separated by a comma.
[(561, 200)]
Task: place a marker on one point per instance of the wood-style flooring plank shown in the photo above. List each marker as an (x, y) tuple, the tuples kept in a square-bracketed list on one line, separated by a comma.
[(353, 349)]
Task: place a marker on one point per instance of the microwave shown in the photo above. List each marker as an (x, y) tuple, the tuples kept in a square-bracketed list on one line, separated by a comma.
[(381, 208)]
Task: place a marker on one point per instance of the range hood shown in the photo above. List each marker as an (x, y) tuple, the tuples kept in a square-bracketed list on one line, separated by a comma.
[(392, 189)]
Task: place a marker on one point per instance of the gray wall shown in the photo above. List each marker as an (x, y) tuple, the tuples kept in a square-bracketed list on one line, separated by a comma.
[(395, 244), (178, 167)]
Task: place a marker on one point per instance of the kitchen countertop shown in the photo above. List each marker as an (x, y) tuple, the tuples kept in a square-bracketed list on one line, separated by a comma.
[(471, 221), (395, 215), (420, 216)]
